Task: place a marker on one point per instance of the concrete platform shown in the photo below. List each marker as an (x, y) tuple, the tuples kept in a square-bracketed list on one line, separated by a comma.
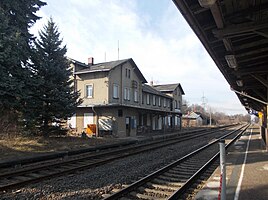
[(246, 170)]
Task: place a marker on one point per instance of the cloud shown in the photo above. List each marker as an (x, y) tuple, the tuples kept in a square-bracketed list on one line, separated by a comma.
[(155, 35)]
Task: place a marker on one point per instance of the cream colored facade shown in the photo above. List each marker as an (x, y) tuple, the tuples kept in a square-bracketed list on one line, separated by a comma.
[(117, 101)]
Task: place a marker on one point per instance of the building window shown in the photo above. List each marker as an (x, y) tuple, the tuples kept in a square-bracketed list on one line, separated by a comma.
[(175, 104), (154, 100), (148, 99), (125, 93), (136, 95), (126, 72), (129, 73), (89, 91), (115, 91), (165, 102), (142, 98), (128, 94), (159, 101)]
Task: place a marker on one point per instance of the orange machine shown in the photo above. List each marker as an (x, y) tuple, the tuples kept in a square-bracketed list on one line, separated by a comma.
[(91, 129)]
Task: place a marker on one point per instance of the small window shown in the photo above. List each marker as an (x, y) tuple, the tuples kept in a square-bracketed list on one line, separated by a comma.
[(115, 91), (126, 72), (148, 99), (125, 93), (129, 73), (175, 104), (154, 100), (136, 95), (142, 98), (89, 91), (165, 102)]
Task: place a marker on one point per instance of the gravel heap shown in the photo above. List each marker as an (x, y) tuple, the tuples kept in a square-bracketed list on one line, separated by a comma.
[(94, 183)]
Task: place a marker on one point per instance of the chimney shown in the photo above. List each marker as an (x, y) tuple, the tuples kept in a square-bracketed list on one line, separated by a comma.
[(90, 61), (151, 83)]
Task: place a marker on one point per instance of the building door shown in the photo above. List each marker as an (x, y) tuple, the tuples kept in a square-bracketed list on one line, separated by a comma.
[(88, 119), (128, 126)]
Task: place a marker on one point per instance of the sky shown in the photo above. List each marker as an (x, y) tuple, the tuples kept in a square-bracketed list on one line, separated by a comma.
[(151, 32)]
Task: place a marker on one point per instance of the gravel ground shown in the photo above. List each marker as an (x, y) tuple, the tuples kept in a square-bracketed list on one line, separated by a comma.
[(94, 183)]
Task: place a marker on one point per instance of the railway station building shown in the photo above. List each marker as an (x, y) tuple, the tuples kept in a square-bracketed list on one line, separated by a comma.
[(117, 100)]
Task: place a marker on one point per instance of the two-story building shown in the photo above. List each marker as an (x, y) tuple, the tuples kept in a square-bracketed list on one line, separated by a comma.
[(175, 91), (117, 100)]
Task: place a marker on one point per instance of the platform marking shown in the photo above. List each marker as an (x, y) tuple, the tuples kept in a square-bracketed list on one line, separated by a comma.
[(265, 167), (238, 188)]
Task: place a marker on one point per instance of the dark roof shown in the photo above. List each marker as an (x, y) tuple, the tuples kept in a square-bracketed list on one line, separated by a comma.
[(77, 62), (151, 90), (107, 66), (235, 35), (168, 87)]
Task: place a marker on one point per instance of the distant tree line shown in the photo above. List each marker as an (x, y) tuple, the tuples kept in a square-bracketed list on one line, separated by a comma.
[(216, 117), (35, 86)]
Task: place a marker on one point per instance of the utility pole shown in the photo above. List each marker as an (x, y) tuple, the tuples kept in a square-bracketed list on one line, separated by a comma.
[(118, 50), (209, 116), (204, 101)]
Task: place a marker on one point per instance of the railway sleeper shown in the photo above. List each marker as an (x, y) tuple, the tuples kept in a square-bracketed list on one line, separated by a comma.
[(181, 173), (187, 165), (160, 193), (162, 187), (148, 197), (20, 178), (173, 175), (35, 175), (46, 172), (168, 178), (168, 183), (186, 168), (188, 172), (196, 164)]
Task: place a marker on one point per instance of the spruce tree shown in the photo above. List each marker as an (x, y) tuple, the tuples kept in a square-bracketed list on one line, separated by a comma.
[(55, 98), (16, 17)]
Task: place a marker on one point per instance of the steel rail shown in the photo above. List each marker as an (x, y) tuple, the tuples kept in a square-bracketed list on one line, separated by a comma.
[(188, 184), (39, 173), (62, 155), (139, 183)]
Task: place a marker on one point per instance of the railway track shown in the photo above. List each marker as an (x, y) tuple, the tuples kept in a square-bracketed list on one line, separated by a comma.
[(173, 181), (20, 177)]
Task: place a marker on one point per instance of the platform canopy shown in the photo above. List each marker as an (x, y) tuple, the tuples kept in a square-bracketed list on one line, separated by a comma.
[(235, 34)]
